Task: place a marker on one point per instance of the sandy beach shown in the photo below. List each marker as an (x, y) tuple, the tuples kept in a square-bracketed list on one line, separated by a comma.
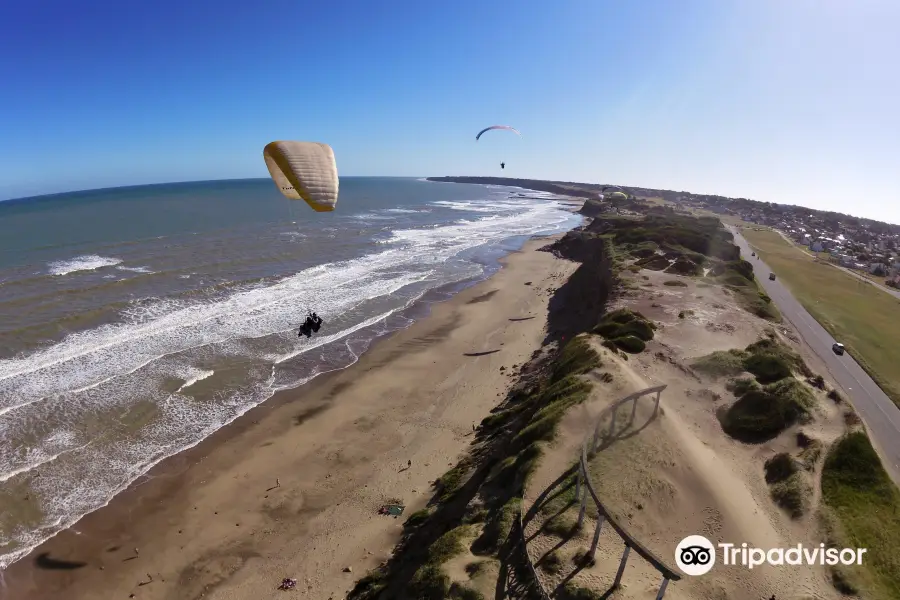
[(292, 488)]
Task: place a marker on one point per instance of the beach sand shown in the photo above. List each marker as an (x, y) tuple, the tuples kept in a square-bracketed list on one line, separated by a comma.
[(292, 488)]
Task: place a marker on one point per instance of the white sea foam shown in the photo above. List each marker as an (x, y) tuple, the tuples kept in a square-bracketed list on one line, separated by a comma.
[(404, 211), (89, 262), (145, 270), (192, 377)]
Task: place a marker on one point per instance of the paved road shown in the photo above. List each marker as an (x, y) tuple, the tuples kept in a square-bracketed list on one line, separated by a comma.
[(881, 416)]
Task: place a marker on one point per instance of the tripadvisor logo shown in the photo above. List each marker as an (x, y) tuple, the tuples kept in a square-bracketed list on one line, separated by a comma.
[(695, 555)]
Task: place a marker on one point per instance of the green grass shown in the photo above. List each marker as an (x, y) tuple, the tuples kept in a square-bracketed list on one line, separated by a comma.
[(418, 517), (449, 545), (461, 591), (866, 504), (451, 481), (561, 525), (498, 527), (577, 357), (721, 363), (430, 583), (865, 319)]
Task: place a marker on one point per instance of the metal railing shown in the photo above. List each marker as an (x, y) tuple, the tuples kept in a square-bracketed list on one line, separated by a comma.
[(584, 487)]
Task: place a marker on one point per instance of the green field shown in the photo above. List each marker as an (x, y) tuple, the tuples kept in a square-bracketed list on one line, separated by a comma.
[(865, 319)]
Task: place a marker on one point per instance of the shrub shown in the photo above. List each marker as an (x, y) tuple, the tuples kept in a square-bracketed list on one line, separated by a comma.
[(684, 266), (639, 329), (630, 343), (768, 345), (780, 467), (675, 283), (742, 385), (551, 563), (760, 415), (624, 323), (792, 494), (767, 367)]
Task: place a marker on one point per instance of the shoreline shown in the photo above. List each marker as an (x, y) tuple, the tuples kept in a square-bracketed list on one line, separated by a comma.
[(101, 554)]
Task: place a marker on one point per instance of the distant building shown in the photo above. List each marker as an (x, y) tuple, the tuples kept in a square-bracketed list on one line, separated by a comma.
[(878, 268)]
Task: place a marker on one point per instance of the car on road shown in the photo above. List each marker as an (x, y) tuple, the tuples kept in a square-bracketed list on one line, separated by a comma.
[(753, 254), (838, 348), (772, 276)]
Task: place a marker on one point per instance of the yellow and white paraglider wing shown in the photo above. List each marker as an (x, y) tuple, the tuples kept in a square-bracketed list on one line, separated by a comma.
[(304, 171)]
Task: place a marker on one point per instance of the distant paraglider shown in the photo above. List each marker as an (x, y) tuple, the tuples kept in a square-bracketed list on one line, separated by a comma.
[(304, 171), (617, 193), (505, 127)]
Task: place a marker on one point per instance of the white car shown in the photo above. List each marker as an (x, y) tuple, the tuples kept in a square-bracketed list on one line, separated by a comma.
[(838, 348)]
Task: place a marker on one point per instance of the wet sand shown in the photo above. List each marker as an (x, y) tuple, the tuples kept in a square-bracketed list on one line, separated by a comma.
[(292, 488)]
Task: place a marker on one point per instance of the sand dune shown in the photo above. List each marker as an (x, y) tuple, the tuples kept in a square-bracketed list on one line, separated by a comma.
[(678, 474)]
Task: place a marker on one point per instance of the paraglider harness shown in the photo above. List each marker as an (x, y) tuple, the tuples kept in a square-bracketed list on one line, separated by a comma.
[(312, 324)]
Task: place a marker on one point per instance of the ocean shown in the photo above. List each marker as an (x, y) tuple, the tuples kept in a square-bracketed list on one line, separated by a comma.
[(135, 322)]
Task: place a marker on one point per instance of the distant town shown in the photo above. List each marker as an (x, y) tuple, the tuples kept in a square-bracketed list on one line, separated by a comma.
[(864, 245)]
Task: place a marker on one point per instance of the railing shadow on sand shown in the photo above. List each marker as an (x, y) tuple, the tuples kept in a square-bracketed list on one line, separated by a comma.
[(584, 489)]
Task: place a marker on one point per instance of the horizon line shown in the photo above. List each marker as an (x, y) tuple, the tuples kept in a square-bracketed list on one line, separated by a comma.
[(183, 182)]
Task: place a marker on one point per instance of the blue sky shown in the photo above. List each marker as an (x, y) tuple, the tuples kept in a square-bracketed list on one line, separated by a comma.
[(794, 101)]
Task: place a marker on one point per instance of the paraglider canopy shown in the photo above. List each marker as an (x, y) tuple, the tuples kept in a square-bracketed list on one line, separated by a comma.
[(304, 171), (506, 127)]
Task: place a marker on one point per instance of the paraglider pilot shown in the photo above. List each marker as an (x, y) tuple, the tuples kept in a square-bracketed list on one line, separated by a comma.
[(503, 165), (313, 323)]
